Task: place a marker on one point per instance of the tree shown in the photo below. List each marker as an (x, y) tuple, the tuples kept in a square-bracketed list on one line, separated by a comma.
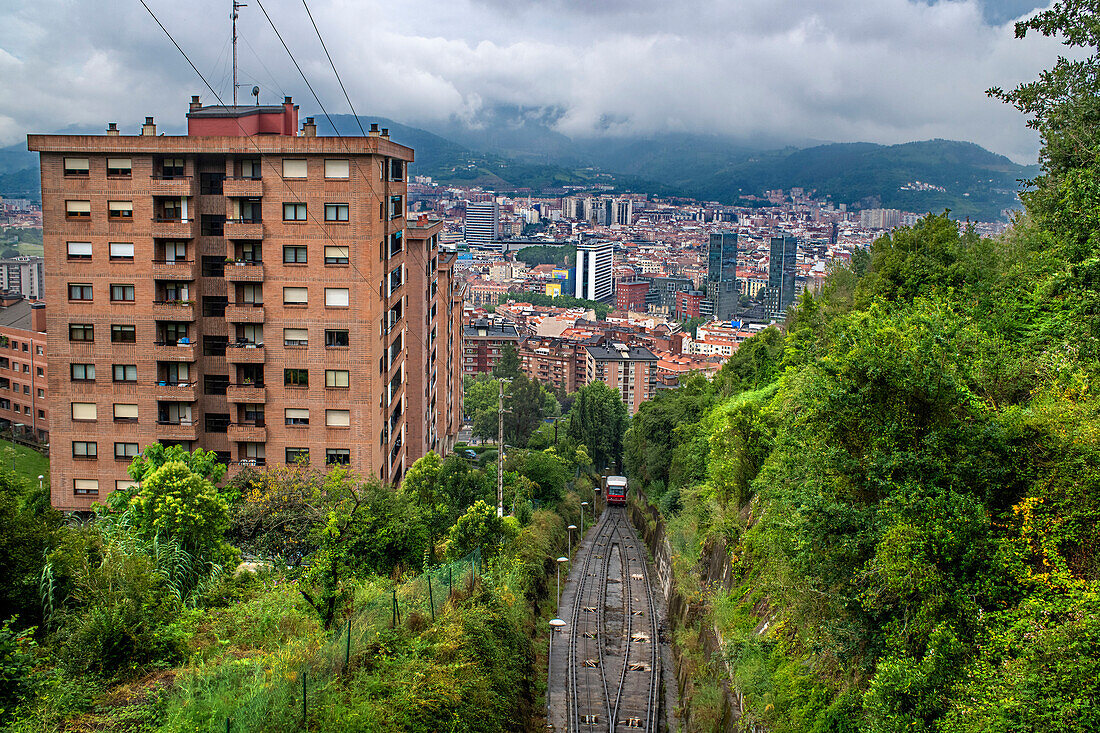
[(203, 463), (599, 420), (547, 471), (508, 366), (479, 527), (525, 410), (28, 528)]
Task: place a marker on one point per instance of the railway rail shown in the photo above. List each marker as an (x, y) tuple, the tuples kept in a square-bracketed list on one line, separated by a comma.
[(613, 674)]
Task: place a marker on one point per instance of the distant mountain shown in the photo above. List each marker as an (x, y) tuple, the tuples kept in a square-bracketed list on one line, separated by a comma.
[(932, 175)]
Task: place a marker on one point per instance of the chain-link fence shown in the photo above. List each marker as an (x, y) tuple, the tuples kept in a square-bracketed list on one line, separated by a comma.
[(285, 692)]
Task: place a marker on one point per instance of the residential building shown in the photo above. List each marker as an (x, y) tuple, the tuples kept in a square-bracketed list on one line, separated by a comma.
[(594, 270), (24, 396), (880, 218), (661, 297), (241, 288), (630, 295), (549, 360), (629, 370), (434, 389), (24, 275), (483, 343), (722, 286), (689, 304), (782, 270), (482, 224)]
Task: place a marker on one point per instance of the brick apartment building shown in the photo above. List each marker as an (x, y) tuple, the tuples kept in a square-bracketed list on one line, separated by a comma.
[(23, 375), (550, 360), (630, 370), (631, 295), (244, 288), (483, 343)]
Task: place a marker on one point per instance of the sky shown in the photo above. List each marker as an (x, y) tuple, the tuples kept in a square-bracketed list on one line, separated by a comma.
[(885, 71)]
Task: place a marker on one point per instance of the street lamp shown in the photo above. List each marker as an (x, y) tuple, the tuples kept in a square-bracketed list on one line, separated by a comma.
[(571, 529), (40, 477), (583, 505), (556, 625), (560, 561)]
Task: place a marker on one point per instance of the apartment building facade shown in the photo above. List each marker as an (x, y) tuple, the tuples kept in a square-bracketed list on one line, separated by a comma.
[(629, 370), (550, 360), (24, 396), (483, 344), (242, 288)]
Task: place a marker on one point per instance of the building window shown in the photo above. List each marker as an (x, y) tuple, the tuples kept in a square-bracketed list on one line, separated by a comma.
[(338, 418), (294, 168), (121, 251), (337, 297), (84, 411), (126, 451), (295, 455), (210, 183), (295, 337), (337, 378), (215, 384), (296, 377), (337, 169), (397, 169), (120, 210), (294, 253), (82, 372), (124, 372), (125, 413), (80, 291), (217, 422), (213, 306), (294, 211), (296, 416), (79, 250), (76, 167), (397, 242), (122, 293), (123, 334), (250, 168), (81, 332), (212, 225), (214, 345), (85, 449), (336, 255), (336, 338), (78, 209), (86, 486), (338, 456), (295, 296), (336, 212), (396, 208), (172, 168), (120, 167), (213, 266)]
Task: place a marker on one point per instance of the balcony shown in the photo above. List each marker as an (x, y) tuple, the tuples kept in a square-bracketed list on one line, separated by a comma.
[(174, 310), (245, 354), (244, 271), (172, 186), (249, 462), (248, 393), (163, 351), (243, 229), (171, 228), (247, 432), (244, 313), (245, 188), (177, 430), (178, 392), (174, 269)]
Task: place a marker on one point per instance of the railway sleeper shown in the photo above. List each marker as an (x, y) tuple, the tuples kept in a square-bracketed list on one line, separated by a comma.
[(592, 663), (639, 667), (639, 638), (591, 720), (632, 723)]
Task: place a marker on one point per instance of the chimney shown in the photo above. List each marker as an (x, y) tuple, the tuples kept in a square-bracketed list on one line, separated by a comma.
[(149, 129), (195, 104), (112, 129), (385, 133), (373, 132), (38, 316), (288, 100), (309, 128)]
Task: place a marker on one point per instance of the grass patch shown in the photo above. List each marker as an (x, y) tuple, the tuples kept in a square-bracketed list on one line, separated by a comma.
[(26, 463)]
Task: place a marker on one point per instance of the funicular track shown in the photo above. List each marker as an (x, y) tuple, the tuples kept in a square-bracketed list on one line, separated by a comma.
[(614, 660)]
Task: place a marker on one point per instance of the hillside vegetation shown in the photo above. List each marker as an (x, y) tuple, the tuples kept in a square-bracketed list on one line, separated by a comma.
[(906, 479)]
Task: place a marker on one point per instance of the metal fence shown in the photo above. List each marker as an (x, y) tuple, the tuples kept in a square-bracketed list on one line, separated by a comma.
[(287, 692)]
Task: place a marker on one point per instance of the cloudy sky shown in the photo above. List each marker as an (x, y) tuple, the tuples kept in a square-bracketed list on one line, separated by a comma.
[(884, 71)]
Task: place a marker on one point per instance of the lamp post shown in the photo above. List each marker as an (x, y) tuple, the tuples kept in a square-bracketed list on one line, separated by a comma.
[(571, 529), (583, 505), (556, 625), (560, 561), (40, 477)]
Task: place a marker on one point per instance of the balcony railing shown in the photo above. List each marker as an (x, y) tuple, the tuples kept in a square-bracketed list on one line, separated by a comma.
[(244, 313), (174, 269), (173, 227), (240, 187), (248, 432), (246, 392), (174, 310), (172, 186), (174, 351), (250, 228), (183, 429), (244, 271), (173, 391), (246, 353)]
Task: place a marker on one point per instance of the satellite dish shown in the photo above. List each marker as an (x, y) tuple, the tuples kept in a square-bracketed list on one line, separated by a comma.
[(256, 94)]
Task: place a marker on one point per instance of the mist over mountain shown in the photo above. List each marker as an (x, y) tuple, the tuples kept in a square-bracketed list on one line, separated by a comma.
[(517, 149)]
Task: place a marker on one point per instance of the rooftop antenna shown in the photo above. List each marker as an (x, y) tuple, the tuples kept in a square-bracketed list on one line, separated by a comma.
[(236, 6)]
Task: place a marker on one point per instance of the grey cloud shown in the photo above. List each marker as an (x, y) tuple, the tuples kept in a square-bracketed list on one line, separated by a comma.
[(880, 70)]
